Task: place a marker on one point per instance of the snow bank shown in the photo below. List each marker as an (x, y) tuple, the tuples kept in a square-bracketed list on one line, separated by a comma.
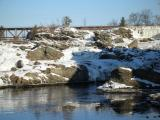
[(10, 55)]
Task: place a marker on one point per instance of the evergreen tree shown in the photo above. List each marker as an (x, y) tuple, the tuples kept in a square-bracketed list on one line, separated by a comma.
[(66, 21), (122, 22)]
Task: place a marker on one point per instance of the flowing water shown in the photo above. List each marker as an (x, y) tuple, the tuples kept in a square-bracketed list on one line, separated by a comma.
[(50, 103)]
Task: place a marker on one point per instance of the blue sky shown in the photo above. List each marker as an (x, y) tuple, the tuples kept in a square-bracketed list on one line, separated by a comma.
[(44, 12)]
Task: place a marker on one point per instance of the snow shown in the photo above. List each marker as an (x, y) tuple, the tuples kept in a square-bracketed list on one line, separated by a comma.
[(113, 85), (9, 56), (126, 69)]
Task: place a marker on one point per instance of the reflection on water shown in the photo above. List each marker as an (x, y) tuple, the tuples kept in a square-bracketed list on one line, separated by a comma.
[(48, 103)]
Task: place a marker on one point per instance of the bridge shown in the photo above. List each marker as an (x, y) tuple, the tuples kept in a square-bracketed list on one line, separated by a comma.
[(21, 32), (10, 33)]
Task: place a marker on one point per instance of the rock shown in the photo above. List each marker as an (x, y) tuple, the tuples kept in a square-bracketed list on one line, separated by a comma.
[(37, 63), (146, 40), (53, 79), (108, 56), (133, 44), (13, 69), (123, 75), (103, 39), (53, 54), (70, 106), (23, 47), (81, 75), (44, 53), (147, 74), (19, 64), (155, 96), (123, 32), (34, 78), (74, 74), (118, 40), (37, 54)]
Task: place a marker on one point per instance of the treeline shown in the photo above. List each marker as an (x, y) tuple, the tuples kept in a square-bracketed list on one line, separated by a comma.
[(144, 17)]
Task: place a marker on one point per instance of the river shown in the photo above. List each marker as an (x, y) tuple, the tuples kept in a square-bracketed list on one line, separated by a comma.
[(49, 103)]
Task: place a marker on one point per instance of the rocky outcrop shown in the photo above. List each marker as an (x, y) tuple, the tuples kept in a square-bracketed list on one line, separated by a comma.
[(59, 74), (73, 74), (147, 74), (44, 53)]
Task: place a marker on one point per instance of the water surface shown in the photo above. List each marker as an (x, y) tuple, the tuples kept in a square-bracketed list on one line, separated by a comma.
[(47, 103)]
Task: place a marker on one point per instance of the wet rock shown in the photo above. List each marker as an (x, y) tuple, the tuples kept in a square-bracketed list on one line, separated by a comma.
[(108, 56), (147, 74), (70, 106), (19, 64), (122, 75), (155, 96)]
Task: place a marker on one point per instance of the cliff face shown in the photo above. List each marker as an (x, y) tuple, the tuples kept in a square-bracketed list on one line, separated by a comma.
[(71, 56)]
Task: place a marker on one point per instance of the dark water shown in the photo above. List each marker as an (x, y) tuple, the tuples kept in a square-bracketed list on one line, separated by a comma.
[(47, 103)]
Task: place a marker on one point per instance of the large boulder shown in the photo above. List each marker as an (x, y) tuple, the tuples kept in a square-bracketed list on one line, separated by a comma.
[(44, 53), (37, 54), (123, 75), (73, 74), (103, 39), (52, 54)]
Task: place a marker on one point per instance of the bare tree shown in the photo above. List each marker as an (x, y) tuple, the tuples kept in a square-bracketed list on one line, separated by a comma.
[(157, 20), (66, 21), (113, 23), (134, 19), (146, 17)]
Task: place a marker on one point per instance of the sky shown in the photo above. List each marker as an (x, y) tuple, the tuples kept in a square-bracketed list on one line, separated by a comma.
[(26, 13)]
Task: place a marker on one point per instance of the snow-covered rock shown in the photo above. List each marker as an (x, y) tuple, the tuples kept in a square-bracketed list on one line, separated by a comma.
[(50, 60)]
